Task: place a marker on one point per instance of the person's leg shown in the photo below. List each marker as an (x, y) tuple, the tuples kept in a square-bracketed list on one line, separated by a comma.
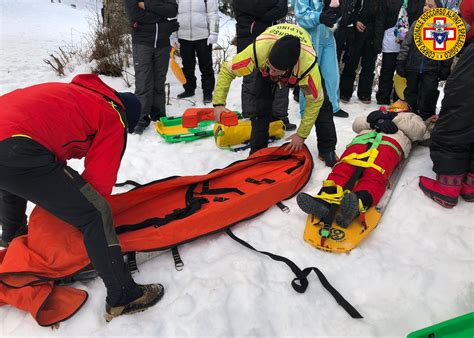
[(389, 64), (326, 136), (204, 55), (428, 94), (349, 72), (160, 69), (61, 191), (248, 97), (12, 216), (450, 163), (366, 76), (340, 175), (264, 92), (369, 188), (188, 57), (143, 65), (280, 107), (467, 191), (411, 91), (330, 71)]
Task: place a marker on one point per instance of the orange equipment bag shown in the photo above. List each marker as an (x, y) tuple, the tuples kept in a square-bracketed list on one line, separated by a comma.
[(154, 216)]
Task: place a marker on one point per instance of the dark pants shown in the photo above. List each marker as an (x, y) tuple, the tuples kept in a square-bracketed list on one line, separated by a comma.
[(29, 172), (345, 37), (151, 66), (362, 52), (189, 50), (422, 93), (249, 98), (387, 71), (265, 93), (452, 159)]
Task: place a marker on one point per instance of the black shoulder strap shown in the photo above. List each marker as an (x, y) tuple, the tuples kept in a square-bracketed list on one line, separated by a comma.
[(308, 69), (255, 53), (300, 283)]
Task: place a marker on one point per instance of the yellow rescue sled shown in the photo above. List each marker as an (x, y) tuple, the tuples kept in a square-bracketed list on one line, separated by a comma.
[(342, 240)]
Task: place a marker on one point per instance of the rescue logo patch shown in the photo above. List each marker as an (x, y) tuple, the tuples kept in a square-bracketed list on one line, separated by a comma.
[(439, 34)]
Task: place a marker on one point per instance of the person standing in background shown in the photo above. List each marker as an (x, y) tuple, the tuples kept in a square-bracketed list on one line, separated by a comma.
[(198, 31), (318, 18), (345, 33), (363, 52), (253, 17), (152, 25), (387, 42)]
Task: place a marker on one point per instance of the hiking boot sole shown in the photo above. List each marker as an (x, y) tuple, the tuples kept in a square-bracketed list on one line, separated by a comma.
[(349, 210), (310, 205)]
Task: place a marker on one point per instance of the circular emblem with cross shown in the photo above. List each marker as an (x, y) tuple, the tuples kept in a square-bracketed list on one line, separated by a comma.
[(439, 34)]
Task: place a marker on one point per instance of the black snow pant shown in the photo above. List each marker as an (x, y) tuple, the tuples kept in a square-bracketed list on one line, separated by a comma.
[(189, 50), (249, 96), (422, 93), (29, 172), (362, 52), (452, 159), (151, 66), (387, 71), (265, 93), (345, 37)]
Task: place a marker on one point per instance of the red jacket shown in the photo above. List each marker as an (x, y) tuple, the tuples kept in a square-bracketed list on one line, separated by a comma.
[(72, 120), (467, 11)]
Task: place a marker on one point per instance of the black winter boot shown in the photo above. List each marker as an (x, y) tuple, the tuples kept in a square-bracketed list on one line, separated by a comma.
[(330, 158), (349, 208), (185, 94), (312, 206)]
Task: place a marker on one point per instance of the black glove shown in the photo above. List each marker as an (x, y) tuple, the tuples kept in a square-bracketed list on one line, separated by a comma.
[(379, 115), (173, 25), (401, 69), (385, 126), (329, 16)]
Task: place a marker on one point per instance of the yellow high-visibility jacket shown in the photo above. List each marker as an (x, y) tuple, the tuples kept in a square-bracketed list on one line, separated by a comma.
[(243, 64)]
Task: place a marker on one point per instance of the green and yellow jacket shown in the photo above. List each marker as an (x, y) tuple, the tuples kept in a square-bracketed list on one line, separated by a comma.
[(243, 64)]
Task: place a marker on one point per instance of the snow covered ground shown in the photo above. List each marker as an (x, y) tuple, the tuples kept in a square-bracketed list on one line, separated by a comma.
[(416, 268)]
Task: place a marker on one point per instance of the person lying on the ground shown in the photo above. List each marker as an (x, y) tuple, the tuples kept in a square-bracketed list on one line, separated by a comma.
[(384, 139)]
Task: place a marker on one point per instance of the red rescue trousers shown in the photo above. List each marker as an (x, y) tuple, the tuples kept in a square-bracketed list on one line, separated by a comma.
[(371, 180)]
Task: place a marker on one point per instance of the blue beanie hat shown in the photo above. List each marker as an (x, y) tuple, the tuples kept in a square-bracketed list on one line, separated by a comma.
[(133, 109)]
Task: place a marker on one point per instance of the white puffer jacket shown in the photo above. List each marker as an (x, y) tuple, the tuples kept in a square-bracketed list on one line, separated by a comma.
[(197, 18), (411, 128)]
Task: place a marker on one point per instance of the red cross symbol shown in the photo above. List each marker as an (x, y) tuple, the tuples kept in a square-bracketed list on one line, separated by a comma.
[(451, 34)]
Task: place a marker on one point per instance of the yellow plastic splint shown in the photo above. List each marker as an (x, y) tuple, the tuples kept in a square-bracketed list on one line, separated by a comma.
[(227, 136)]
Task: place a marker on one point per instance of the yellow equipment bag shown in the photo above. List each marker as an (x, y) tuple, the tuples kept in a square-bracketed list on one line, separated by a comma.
[(229, 136)]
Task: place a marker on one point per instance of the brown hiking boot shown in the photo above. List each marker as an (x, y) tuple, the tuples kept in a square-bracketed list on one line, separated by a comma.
[(152, 293)]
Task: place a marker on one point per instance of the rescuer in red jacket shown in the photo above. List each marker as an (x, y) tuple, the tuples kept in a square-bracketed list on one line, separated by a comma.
[(43, 126)]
